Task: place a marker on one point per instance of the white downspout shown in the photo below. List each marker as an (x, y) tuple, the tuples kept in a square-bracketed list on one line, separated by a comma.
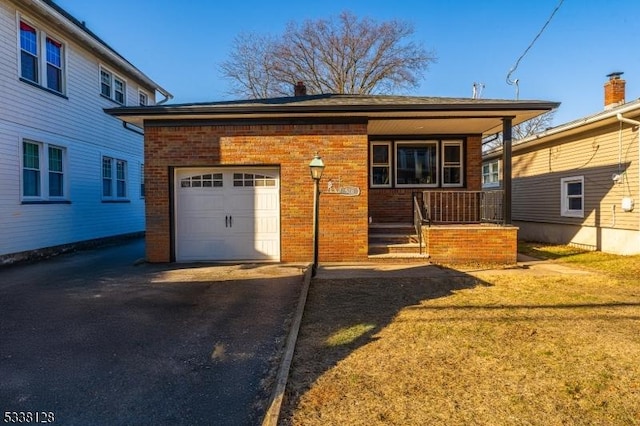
[(634, 123)]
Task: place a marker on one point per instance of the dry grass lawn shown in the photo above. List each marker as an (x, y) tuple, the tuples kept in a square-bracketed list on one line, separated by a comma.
[(512, 347)]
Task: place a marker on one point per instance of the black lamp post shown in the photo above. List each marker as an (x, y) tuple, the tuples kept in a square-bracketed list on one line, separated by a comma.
[(316, 166)]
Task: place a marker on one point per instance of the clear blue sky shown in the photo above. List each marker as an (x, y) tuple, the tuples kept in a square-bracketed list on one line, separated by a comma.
[(179, 44)]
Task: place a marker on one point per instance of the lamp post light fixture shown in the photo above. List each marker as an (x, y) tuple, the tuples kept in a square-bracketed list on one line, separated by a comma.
[(316, 166)]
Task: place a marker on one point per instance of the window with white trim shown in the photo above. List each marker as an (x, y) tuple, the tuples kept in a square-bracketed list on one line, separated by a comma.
[(44, 70), (380, 170), (491, 174), (452, 164), (114, 179), (572, 190), (112, 86), (417, 163), (43, 172), (143, 99)]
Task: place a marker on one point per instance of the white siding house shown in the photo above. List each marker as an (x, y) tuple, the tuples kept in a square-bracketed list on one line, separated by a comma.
[(69, 172)]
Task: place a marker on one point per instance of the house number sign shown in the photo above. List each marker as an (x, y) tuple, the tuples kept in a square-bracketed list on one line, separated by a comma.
[(347, 191)]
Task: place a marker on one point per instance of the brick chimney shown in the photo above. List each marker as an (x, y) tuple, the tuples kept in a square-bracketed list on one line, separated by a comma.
[(614, 90), (301, 90)]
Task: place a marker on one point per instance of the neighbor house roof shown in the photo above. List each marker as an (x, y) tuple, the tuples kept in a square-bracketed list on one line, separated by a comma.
[(590, 122), (386, 115), (50, 11)]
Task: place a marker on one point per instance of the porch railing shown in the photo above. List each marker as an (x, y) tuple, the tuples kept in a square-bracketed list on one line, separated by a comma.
[(418, 219), (463, 206)]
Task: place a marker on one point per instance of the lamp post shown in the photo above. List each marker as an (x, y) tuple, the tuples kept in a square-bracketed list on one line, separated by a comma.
[(316, 166)]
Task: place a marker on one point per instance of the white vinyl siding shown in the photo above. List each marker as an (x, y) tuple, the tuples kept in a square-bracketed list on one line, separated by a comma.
[(78, 125)]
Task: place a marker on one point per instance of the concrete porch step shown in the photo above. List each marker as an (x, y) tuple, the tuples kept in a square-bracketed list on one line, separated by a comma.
[(394, 241), (396, 238), (391, 228), (405, 248), (399, 258)]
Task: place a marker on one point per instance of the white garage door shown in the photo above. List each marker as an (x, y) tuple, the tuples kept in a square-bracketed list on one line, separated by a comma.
[(227, 214)]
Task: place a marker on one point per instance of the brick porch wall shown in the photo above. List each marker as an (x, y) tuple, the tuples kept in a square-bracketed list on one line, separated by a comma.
[(472, 244), (396, 204), (343, 148)]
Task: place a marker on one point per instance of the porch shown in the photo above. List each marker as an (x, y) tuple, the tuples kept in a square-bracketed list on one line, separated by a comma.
[(448, 227)]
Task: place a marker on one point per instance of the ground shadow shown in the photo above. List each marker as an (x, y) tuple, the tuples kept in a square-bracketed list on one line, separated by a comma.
[(347, 308), (96, 339)]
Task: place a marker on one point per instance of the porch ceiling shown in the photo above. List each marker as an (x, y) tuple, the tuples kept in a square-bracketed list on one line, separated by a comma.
[(442, 125)]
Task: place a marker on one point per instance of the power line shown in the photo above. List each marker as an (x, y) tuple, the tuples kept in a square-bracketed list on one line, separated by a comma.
[(513, 68)]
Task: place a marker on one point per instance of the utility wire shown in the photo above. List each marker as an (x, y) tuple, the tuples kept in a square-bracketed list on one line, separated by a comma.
[(513, 68)]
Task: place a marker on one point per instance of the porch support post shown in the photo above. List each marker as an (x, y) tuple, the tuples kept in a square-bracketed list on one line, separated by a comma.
[(506, 167)]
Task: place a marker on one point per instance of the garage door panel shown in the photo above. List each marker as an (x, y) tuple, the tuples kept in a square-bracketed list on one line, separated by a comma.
[(202, 249), (227, 214)]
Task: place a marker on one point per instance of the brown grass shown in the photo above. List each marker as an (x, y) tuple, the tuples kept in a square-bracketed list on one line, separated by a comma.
[(498, 347)]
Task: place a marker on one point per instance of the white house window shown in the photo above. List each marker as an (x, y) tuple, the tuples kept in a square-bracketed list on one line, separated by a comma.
[(56, 172), (452, 163), (54, 65), (143, 99), (118, 89), (105, 83), (43, 171), (572, 190), (114, 179), (417, 163), (380, 171), (28, 52), (491, 174), (112, 86), (48, 70), (121, 178)]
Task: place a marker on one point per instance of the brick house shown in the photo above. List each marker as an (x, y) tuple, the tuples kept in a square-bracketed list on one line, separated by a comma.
[(229, 181)]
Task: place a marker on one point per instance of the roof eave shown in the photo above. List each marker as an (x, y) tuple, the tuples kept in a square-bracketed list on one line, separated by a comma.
[(212, 110)]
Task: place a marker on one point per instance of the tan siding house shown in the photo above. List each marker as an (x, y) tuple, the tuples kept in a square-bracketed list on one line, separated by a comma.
[(579, 183)]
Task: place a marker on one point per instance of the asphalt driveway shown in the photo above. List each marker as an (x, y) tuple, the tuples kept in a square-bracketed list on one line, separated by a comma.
[(96, 339)]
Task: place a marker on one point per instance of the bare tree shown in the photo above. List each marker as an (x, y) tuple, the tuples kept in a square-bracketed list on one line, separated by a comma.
[(522, 130), (343, 55), (250, 66)]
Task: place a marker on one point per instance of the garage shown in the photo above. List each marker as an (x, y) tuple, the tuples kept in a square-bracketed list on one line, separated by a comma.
[(227, 214)]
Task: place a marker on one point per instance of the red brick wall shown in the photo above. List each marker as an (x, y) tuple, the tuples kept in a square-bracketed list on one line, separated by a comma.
[(395, 205), (343, 148), (465, 244)]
